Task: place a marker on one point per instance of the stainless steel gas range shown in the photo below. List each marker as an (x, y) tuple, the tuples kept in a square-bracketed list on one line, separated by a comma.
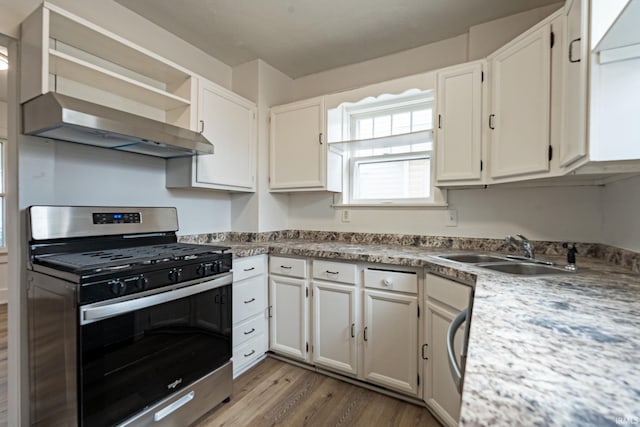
[(126, 326)]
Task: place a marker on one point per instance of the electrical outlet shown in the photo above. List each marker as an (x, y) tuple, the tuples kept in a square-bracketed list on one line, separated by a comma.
[(452, 218), (346, 215)]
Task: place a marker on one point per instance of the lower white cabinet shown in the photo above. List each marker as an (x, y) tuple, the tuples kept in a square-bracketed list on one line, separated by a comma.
[(443, 301), (289, 314), (335, 326), (390, 336), (250, 323)]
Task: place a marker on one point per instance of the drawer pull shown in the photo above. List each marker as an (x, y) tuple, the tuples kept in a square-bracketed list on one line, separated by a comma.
[(353, 330), (387, 282), (286, 267), (250, 353), (332, 272), (250, 332), (251, 300), (249, 269)]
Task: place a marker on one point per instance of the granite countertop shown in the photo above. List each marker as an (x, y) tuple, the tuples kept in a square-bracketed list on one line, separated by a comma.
[(547, 350)]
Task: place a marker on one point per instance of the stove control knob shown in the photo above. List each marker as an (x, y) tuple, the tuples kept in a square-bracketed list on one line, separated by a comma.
[(118, 287), (142, 283), (217, 265), (201, 270), (174, 274)]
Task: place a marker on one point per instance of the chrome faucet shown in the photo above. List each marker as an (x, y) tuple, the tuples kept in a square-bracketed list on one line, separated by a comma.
[(522, 243)]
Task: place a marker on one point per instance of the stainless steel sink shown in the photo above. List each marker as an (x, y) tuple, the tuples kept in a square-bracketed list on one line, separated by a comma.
[(524, 269), (473, 258)]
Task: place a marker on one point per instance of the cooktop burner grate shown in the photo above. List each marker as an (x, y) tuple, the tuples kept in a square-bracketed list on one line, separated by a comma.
[(124, 257)]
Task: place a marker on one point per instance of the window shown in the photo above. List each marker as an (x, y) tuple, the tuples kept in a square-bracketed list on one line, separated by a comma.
[(388, 157)]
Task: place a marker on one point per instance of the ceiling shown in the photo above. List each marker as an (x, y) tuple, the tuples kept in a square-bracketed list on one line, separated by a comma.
[(301, 37)]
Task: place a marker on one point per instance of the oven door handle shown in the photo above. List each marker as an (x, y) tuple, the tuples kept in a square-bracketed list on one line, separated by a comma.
[(94, 313)]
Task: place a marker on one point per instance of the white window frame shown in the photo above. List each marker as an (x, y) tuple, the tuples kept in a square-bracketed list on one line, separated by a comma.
[(376, 109), (3, 198)]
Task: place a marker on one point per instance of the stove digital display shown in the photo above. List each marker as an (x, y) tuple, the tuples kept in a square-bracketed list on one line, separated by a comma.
[(117, 218)]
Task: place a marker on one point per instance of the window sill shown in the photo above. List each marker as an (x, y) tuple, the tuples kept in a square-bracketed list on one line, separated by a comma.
[(390, 205)]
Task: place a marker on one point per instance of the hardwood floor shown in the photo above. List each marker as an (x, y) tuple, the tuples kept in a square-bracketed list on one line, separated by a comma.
[(275, 393), (3, 364)]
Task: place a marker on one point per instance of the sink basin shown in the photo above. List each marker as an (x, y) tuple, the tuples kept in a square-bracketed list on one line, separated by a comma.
[(472, 258), (524, 269)]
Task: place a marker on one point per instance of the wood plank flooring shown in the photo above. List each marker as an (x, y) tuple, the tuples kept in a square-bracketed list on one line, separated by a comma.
[(275, 393)]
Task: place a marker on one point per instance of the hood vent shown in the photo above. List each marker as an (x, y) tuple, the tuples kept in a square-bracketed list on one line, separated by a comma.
[(65, 118)]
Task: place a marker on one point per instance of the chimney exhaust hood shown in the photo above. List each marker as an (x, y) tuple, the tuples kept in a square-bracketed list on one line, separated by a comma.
[(64, 118)]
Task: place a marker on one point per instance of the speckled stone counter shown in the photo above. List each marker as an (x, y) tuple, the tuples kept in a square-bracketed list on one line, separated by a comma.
[(550, 350)]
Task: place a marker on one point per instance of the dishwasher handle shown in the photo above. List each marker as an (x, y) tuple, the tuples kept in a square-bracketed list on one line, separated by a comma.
[(454, 367)]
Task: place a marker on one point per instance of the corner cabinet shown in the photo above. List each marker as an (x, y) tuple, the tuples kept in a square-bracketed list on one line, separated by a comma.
[(519, 119), (459, 99), (229, 122), (299, 157)]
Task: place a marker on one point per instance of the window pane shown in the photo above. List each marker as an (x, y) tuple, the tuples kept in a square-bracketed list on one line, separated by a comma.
[(1, 169), (401, 123), (364, 129), (395, 179), (2, 222), (381, 126), (422, 120)]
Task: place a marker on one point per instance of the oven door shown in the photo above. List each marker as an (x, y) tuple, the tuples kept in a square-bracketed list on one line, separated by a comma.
[(134, 352)]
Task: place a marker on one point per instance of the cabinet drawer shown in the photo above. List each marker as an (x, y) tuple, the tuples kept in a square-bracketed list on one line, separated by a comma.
[(293, 267), (249, 329), (447, 291), (248, 298), (243, 268), (335, 271), (391, 280), (249, 351)]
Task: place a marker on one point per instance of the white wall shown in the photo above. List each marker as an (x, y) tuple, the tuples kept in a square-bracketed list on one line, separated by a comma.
[(74, 174), (621, 204), (262, 211)]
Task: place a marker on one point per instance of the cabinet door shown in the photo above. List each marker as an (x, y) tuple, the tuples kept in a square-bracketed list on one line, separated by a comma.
[(297, 147), (390, 336), (440, 391), (520, 104), (334, 326), (573, 144), (228, 121), (288, 325), (459, 123)]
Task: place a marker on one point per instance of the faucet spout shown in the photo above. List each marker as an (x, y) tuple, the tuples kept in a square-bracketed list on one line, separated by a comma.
[(523, 244)]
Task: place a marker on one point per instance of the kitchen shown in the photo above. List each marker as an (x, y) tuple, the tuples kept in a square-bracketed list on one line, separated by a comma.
[(49, 171)]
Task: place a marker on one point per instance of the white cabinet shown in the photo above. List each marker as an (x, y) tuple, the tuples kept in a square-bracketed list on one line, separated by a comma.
[(459, 115), (335, 316), (250, 322), (299, 157), (288, 294), (390, 334), (63, 53), (334, 327), (229, 122), (575, 62), (443, 301), (519, 118)]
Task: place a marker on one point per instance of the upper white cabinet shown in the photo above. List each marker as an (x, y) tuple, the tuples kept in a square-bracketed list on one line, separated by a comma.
[(519, 118), (63, 53), (459, 124), (298, 150), (229, 122), (573, 145)]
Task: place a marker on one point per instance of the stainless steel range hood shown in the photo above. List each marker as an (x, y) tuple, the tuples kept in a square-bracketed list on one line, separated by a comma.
[(61, 117)]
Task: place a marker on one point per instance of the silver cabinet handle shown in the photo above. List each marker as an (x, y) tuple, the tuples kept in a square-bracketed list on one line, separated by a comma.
[(454, 367), (491, 118), (353, 330), (250, 332), (424, 347), (250, 353), (365, 333), (320, 138), (201, 126), (286, 267), (174, 406), (249, 269), (250, 301), (332, 272)]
